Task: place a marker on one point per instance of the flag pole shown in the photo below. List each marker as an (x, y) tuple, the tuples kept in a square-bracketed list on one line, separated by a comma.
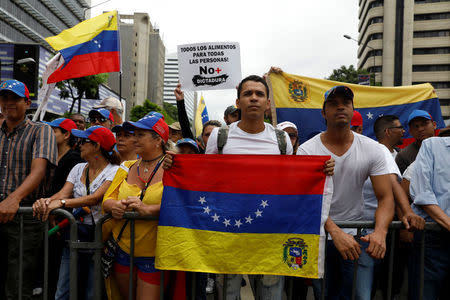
[(194, 113)]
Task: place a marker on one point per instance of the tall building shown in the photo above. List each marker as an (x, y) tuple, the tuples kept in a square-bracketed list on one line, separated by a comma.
[(170, 83), (30, 21), (24, 25), (142, 51), (407, 42)]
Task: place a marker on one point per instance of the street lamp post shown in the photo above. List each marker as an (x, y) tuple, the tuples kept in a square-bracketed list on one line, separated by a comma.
[(88, 8), (373, 50)]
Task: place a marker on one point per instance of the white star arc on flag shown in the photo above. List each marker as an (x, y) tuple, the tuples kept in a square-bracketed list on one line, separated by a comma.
[(202, 200), (215, 218), (369, 115), (237, 222), (248, 219)]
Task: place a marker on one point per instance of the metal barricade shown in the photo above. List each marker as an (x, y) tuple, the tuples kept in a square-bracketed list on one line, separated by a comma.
[(73, 253), (97, 246), (393, 227), (98, 277)]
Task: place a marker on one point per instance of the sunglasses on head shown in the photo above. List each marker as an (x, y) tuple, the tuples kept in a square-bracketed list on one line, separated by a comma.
[(100, 119)]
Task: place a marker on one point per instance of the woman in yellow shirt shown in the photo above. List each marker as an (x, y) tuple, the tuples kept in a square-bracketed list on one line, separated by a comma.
[(142, 176)]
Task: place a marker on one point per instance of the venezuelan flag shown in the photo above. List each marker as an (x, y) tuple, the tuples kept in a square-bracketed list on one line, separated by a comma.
[(201, 116), (90, 47), (244, 214), (300, 99)]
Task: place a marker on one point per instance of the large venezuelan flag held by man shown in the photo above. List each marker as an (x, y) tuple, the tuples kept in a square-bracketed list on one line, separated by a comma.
[(90, 47), (300, 99), (244, 214)]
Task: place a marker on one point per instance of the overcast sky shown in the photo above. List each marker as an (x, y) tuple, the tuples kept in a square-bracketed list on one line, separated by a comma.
[(301, 37)]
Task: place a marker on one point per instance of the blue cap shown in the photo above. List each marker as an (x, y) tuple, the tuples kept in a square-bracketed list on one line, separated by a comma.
[(150, 122), (155, 114), (102, 111), (339, 89), (15, 86), (418, 113), (188, 142), (118, 128)]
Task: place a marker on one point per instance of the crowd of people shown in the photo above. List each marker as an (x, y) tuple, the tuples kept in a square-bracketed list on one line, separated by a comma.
[(105, 165)]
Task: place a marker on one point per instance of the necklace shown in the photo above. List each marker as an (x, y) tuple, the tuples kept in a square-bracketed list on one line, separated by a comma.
[(152, 174), (149, 160)]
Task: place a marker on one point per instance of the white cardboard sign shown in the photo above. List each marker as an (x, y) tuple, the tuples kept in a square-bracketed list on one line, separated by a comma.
[(209, 66)]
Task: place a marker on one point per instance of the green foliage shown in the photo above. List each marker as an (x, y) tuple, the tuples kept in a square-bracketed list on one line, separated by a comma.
[(139, 111), (86, 87), (171, 110), (349, 75)]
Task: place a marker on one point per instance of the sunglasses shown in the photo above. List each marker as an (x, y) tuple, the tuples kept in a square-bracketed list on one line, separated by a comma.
[(399, 127), (100, 119), (292, 135), (84, 141)]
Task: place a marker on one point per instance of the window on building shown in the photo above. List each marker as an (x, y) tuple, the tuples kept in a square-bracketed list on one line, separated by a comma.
[(376, 69), (431, 68), (429, 1), (376, 4), (437, 85), (439, 50), (375, 20), (433, 16), (431, 33)]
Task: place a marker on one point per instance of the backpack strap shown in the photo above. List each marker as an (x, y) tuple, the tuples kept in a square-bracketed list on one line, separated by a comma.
[(281, 139), (222, 137)]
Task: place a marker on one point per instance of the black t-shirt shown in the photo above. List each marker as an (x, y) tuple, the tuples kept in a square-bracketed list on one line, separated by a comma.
[(65, 165)]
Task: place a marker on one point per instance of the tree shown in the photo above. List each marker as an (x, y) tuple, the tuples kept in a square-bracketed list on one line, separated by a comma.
[(350, 75), (171, 110), (79, 88), (139, 111)]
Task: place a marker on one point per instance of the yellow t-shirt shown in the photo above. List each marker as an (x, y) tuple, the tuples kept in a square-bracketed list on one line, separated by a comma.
[(145, 231)]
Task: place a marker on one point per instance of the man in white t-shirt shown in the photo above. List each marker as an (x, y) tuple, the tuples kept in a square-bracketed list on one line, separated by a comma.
[(389, 132), (251, 135), (357, 157)]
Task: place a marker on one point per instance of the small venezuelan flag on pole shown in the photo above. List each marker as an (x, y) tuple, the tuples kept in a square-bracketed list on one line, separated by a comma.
[(90, 47)]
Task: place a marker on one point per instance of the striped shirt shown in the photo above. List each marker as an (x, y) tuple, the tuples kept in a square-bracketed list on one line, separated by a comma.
[(28, 140)]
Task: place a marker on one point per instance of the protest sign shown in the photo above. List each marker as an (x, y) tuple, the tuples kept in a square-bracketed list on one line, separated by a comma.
[(209, 66)]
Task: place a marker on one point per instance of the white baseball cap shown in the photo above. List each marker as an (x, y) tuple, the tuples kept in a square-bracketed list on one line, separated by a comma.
[(286, 124), (111, 103)]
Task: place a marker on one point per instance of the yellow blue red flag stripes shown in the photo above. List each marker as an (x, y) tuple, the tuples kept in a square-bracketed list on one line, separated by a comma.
[(201, 116), (300, 99), (244, 214), (90, 47)]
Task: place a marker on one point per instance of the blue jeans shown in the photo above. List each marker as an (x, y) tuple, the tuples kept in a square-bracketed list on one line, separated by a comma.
[(85, 276), (339, 275), (268, 287), (436, 267)]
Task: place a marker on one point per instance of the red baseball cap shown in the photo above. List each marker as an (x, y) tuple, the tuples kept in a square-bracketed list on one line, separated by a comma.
[(63, 123), (98, 134), (357, 119)]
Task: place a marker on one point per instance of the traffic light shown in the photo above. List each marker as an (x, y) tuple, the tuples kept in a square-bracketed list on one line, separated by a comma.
[(27, 72)]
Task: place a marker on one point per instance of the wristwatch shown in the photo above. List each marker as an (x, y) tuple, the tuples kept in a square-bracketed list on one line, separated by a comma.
[(63, 203)]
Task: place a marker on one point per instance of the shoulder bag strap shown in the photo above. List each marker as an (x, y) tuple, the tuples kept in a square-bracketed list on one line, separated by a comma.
[(142, 193)]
